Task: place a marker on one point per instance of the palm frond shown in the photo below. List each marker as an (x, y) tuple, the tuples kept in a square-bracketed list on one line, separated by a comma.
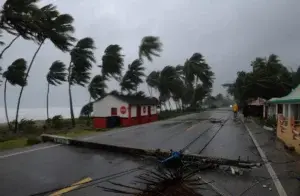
[(82, 59), (20, 18), (112, 62), (57, 73), (150, 46), (97, 87), (16, 73), (162, 181)]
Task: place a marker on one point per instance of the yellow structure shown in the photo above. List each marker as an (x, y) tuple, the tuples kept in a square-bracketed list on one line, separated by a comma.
[(288, 118)]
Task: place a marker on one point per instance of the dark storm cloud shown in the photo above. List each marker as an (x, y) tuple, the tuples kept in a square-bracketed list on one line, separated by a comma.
[(229, 34)]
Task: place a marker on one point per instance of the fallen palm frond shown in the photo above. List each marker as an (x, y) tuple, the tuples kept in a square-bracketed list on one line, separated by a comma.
[(163, 182)]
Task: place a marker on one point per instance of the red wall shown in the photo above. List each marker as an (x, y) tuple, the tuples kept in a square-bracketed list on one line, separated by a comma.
[(99, 122)]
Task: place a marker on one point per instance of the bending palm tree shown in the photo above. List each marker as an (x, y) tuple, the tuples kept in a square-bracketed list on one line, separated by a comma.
[(97, 87), (15, 75), (18, 18), (150, 46), (82, 59), (112, 62), (56, 76), (58, 29), (196, 69), (133, 76)]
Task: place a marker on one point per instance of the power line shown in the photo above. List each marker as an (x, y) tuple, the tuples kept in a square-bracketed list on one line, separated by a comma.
[(101, 179)]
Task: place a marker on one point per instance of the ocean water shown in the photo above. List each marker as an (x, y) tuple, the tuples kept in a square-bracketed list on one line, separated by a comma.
[(38, 113)]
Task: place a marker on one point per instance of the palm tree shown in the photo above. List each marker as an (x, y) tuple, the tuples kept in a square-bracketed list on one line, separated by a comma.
[(152, 81), (167, 82), (56, 76), (126, 83), (96, 90), (15, 75), (82, 59), (97, 87), (133, 77), (150, 46), (195, 69), (112, 62), (19, 18), (58, 29)]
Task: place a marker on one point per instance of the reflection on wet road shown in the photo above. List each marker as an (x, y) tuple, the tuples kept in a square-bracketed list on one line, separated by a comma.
[(57, 167)]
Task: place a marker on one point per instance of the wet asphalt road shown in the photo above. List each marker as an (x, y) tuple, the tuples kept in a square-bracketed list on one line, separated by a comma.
[(47, 166)]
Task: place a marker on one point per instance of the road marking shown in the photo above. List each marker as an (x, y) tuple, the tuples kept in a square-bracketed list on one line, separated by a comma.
[(269, 167), (28, 151), (72, 187)]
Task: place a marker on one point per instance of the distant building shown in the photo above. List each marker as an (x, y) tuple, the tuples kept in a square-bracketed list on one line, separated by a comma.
[(124, 110)]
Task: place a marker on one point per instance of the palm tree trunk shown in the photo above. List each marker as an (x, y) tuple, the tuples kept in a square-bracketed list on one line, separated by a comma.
[(90, 100), (71, 106), (70, 96), (22, 88), (47, 100), (194, 92), (150, 90), (170, 104), (5, 105), (8, 46)]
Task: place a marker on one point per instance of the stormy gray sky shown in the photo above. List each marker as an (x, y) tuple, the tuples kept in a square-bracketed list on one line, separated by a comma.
[(228, 33)]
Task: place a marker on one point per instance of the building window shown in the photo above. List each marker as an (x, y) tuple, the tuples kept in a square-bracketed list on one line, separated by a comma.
[(114, 111)]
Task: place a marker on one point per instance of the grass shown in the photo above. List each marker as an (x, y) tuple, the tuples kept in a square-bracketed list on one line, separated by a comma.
[(15, 143), (30, 135), (32, 140), (78, 133)]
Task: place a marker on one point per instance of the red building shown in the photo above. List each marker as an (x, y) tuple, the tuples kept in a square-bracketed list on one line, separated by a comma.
[(131, 110)]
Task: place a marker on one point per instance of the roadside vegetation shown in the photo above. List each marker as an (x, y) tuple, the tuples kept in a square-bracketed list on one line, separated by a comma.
[(268, 78), (188, 84)]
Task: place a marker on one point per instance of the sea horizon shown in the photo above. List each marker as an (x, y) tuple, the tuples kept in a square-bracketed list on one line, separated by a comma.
[(37, 113)]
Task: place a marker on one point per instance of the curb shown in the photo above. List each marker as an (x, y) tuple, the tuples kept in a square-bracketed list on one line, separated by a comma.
[(268, 128), (144, 152), (272, 173)]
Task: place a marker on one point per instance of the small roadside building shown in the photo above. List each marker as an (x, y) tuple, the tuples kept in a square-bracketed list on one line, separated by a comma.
[(124, 110), (256, 107), (287, 109)]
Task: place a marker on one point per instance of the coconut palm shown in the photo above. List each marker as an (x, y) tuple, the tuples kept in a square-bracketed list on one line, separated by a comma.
[(82, 59), (126, 83), (58, 29), (112, 62), (133, 76), (97, 87), (15, 75), (195, 69), (86, 110), (56, 76), (19, 18), (152, 81), (150, 46)]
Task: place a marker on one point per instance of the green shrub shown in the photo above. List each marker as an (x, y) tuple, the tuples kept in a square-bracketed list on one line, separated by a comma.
[(57, 122), (28, 126), (271, 121), (33, 140)]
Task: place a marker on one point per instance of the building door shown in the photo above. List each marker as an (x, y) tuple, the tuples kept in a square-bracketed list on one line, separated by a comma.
[(138, 114)]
